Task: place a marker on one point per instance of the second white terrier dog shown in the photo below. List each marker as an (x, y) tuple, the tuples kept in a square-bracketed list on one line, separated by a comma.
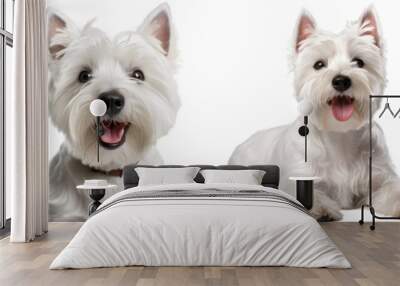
[(336, 73), (134, 74)]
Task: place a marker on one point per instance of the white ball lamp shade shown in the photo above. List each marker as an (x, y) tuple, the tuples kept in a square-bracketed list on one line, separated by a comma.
[(98, 107), (305, 107)]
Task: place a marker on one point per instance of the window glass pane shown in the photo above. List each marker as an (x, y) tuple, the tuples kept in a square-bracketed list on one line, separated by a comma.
[(2, 194), (1, 14), (8, 79), (9, 15)]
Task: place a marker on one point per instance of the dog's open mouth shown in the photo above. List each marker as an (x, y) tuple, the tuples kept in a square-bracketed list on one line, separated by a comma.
[(112, 133), (342, 107)]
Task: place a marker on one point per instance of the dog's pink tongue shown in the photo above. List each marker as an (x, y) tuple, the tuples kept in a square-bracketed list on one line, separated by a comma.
[(113, 133), (342, 109)]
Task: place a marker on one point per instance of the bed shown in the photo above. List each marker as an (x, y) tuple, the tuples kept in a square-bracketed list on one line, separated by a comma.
[(201, 224)]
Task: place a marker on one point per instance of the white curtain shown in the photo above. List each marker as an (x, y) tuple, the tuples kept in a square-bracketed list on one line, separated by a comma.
[(26, 117)]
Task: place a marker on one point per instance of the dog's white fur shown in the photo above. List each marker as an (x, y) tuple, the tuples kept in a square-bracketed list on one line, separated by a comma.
[(338, 150), (150, 107)]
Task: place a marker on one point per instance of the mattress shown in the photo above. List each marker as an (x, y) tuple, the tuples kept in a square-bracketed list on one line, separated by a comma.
[(201, 225)]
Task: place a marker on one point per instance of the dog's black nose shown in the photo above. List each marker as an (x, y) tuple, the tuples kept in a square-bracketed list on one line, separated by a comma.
[(341, 83), (115, 102)]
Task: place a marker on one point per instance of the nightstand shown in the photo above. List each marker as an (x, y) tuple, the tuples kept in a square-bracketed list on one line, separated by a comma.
[(304, 190), (97, 190)]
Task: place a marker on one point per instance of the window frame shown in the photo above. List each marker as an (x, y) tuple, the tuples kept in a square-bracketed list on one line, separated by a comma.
[(6, 39)]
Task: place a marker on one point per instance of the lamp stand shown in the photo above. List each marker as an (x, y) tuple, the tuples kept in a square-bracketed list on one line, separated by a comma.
[(303, 131), (98, 137), (305, 184)]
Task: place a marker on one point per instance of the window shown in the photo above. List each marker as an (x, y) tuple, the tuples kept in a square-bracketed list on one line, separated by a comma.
[(6, 44)]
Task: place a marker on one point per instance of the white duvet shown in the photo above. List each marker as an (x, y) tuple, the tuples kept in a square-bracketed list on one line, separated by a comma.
[(200, 231)]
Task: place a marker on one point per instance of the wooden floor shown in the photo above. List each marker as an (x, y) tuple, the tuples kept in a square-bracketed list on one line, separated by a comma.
[(375, 257)]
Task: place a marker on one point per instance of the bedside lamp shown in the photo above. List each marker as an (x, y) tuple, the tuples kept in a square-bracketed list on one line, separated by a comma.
[(304, 184), (98, 108)]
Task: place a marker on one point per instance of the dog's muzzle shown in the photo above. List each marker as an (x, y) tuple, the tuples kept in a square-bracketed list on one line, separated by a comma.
[(113, 132)]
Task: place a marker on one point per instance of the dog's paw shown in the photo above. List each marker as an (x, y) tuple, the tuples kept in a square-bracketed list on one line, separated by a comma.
[(389, 207), (387, 200), (323, 214), (392, 208)]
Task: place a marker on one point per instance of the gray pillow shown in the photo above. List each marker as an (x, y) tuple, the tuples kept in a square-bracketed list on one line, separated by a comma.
[(166, 176), (248, 177)]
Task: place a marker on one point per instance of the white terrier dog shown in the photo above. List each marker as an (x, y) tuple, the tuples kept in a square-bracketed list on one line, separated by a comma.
[(134, 75), (336, 73)]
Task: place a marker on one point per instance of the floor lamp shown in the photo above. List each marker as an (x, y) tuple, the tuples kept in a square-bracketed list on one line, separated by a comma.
[(98, 108)]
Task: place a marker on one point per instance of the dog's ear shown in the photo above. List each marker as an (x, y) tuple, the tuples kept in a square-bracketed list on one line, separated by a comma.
[(55, 25), (158, 25), (369, 25), (305, 28)]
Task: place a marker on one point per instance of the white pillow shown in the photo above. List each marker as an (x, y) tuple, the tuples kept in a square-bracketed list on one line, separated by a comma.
[(248, 177), (165, 176)]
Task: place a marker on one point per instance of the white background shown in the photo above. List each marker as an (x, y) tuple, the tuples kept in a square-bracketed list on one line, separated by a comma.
[(235, 77)]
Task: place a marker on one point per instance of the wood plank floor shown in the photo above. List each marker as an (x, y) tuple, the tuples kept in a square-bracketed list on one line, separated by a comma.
[(375, 257)]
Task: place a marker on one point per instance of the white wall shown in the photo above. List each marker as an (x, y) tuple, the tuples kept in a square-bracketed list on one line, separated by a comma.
[(234, 77)]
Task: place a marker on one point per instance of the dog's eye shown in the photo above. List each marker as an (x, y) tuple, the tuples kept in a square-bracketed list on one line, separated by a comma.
[(359, 62), (85, 76), (319, 65), (138, 74)]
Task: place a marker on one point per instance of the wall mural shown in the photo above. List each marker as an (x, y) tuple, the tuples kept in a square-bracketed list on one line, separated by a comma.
[(136, 73)]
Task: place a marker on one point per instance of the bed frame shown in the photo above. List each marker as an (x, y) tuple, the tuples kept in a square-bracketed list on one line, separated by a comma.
[(270, 179)]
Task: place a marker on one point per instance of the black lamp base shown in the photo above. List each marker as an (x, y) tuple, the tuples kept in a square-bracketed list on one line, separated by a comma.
[(304, 192), (96, 195)]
